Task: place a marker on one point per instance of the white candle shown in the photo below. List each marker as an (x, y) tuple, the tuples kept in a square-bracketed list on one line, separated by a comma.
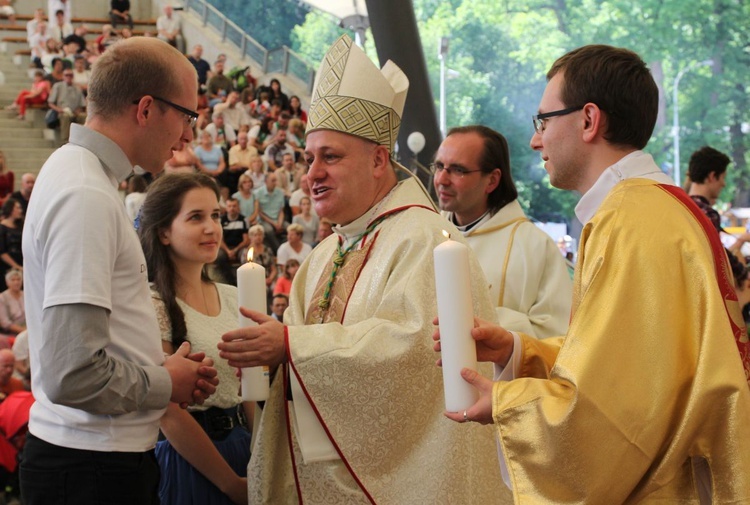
[(251, 294), (456, 315)]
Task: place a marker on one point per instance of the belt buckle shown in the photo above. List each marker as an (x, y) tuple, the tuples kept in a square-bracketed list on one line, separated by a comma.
[(223, 423)]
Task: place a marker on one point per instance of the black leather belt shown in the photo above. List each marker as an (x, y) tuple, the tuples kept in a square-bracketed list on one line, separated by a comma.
[(217, 423)]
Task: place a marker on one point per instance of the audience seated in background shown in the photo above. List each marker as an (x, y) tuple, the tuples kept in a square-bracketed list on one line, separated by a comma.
[(260, 134), (12, 309), (284, 282), (59, 28), (234, 114), (297, 194), (119, 13), (33, 22), (295, 137), (263, 255), (81, 74), (24, 193), (275, 152), (279, 304), (325, 230), (271, 201), (296, 110), (184, 160), (136, 195), (259, 107), (277, 94), (69, 104), (7, 179), (294, 247), (78, 38), (234, 242), (56, 5), (11, 232), (37, 43), (219, 85), (168, 28), (240, 156), (307, 220), (21, 351), (55, 74), (107, 38), (249, 206), (202, 67), (37, 94), (257, 172), (7, 11), (210, 157), (223, 135), (284, 175)]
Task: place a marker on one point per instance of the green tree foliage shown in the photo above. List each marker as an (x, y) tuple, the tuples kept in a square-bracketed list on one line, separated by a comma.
[(270, 22), (500, 51)]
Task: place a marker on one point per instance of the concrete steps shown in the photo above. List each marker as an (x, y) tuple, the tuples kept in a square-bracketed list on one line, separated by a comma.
[(25, 144)]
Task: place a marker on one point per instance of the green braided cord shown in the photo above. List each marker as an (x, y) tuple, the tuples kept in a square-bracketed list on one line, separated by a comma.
[(325, 302)]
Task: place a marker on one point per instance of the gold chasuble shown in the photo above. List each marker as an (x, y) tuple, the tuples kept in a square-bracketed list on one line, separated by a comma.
[(648, 382), (364, 363)]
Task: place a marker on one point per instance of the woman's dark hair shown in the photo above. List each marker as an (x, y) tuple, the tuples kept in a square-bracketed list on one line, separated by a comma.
[(7, 209), (299, 109), (266, 124), (162, 204), (137, 184)]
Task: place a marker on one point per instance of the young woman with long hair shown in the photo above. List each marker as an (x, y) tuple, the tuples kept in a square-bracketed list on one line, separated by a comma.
[(204, 457)]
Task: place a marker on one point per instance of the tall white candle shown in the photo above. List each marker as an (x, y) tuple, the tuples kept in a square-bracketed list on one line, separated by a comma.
[(251, 294), (456, 315)]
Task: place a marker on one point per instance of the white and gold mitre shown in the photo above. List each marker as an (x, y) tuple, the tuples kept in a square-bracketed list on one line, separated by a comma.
[(352, 96)]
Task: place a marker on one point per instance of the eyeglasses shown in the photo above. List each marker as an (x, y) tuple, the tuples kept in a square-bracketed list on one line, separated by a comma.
[(540, 118), (192, 116), (453, 170)]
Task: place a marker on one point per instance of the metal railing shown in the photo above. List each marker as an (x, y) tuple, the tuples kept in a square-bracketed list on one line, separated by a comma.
[(281, 60)]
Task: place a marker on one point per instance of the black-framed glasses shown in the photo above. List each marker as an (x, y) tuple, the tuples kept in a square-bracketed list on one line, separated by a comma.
[(540, 118), (192, 116), (452, 170)]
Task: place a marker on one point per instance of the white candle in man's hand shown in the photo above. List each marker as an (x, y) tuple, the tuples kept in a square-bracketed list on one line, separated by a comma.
[(456, 318), (251, 294)]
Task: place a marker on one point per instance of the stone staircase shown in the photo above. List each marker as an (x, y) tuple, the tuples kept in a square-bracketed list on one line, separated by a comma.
[(26, 144)]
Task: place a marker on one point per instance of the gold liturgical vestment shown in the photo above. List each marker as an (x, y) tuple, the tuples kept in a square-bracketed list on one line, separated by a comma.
[(368, 370), (648, 375)]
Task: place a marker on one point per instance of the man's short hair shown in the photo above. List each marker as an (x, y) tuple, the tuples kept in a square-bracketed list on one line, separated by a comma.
[(619, 82), (129, 70), (281, 295), (705, 161), (495, 155)]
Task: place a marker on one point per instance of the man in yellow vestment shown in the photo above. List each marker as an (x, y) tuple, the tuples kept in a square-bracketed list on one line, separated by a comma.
[(645, 399), (354, 413)]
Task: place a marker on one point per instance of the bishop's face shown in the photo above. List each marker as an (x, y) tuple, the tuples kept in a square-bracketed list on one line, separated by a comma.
[(341, 178)]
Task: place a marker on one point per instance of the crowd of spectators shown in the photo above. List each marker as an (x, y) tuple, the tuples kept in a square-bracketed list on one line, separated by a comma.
[(63, 54), (249, 137)]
